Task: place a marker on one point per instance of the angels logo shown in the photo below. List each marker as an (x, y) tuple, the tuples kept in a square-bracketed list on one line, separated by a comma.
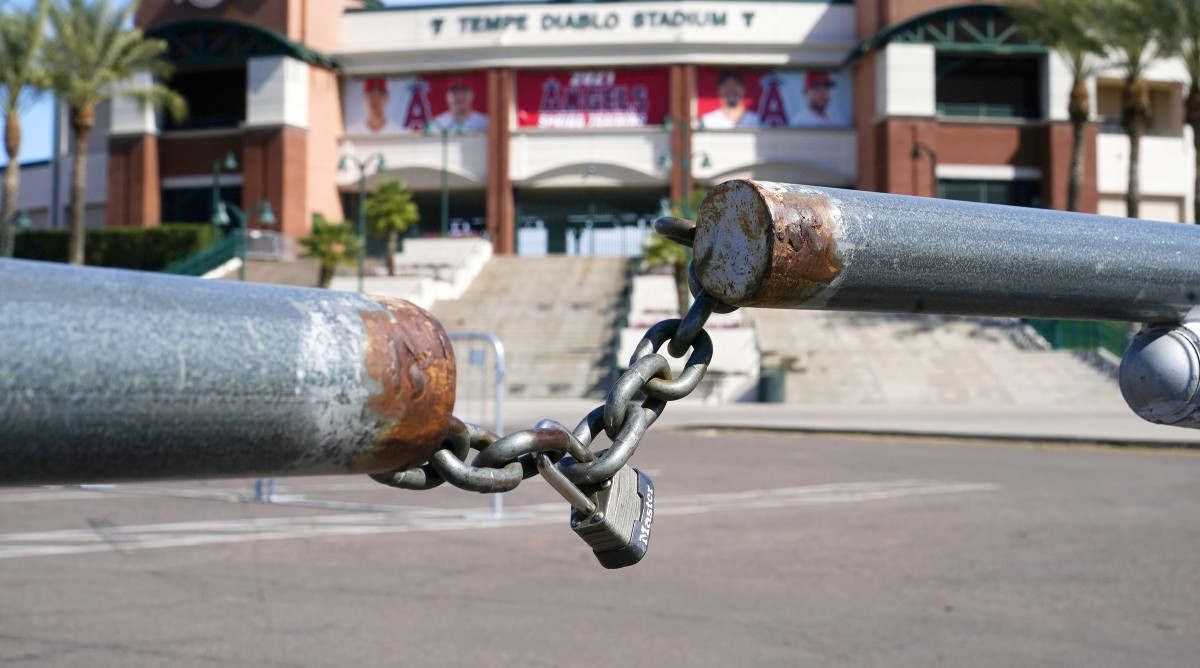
[(418, 115), (772, 110)]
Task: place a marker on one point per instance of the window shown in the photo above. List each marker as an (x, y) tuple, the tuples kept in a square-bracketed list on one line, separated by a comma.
[(215, 98), (194, 205), (988, 87), (1016, 193), (1166, 108)]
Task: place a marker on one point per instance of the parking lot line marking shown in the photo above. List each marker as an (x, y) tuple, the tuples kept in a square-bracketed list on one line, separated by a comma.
[(402, 520)]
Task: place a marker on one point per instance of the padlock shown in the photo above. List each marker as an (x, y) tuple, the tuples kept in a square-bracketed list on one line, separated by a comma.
[(616, 519)]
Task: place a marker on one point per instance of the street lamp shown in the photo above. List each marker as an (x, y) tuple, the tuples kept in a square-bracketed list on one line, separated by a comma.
[(18, 221), (917, 149), (362, 202), (228, 163), (445, 132), (221, 217), (668, 158)]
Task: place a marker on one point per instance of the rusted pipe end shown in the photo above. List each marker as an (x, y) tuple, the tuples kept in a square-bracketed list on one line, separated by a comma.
[(765, 244), (411, 361)]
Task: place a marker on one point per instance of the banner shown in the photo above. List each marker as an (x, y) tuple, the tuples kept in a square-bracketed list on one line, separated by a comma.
[(739, 98), (591, 98), (391, 105)]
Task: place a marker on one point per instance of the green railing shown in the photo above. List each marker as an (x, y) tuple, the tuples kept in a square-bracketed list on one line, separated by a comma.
[(1112, 336), (979, 110), (202, 262)]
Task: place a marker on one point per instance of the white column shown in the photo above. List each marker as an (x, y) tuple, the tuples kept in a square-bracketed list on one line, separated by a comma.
[(130, 116), (276, 92), (905, 80)]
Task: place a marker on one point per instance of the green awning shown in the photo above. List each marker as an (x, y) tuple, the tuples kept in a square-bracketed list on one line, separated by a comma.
[(206, 42)]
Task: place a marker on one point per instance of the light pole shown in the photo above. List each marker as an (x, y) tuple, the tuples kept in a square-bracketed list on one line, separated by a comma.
[(20, 221), (445, 132), (229, 163), (685, 159), (668, 158), (917, 150), (221, 217), (362, 201)]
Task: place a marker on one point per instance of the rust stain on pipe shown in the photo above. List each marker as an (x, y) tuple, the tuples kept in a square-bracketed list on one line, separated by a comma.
[(410, 356), (761, 244), (804, 255)]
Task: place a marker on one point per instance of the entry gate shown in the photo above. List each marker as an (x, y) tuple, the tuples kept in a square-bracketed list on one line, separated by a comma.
[(117, 376), (585, 235)]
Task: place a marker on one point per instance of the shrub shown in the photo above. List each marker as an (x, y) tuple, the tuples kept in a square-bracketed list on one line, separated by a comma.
[(144, 248)]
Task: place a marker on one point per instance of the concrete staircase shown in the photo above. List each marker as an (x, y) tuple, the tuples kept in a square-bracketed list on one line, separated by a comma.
[(867, 358), (555, 315)]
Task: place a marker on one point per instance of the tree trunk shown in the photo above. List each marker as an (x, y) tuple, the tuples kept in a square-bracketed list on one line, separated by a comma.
[(1192, 118), (82, 120), (1079, 108), (1135, 109), (12, 178), (681, 286), (392, 239), (325, 278)]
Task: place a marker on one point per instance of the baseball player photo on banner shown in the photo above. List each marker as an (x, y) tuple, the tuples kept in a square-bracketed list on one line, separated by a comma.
[(402, 104), (730, 99), (591, 98)]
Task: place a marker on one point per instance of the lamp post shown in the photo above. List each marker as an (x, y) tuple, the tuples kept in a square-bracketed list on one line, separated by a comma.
[(221, 217), (20, 221), (685, 159), (917, 150), (668, 158), (229, 163), (445, 132), (362, 201)]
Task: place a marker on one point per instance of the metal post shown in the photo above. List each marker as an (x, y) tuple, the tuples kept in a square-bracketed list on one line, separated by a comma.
[(362, 221), (789, 246), (242, 246), (499, 373), (109, 375), (216, 186), (445, 183)]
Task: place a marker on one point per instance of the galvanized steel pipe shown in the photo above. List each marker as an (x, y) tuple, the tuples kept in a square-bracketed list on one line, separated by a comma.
[(110, 375), (791, 246)]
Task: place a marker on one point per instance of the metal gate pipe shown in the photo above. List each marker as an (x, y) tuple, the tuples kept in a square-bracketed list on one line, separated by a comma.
[(790, 246), (109, 375)]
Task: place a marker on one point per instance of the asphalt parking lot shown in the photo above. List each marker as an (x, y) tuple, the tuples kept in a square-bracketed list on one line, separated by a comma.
[(768, 550)]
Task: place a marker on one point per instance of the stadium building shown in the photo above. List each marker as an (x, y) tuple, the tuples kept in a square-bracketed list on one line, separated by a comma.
[(541, 123)]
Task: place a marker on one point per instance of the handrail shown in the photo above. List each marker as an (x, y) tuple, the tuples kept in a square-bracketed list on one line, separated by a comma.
[(204, 261), (791, 246), (109, 375)]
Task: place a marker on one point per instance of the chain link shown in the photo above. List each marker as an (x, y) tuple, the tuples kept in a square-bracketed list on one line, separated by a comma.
[(503, 462)]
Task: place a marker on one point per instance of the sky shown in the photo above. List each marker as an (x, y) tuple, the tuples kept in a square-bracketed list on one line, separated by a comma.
[(37, 119)]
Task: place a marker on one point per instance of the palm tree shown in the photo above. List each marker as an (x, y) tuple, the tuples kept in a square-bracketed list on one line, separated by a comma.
[(390, 211), (331, 244), (1067, 27), (1132, 29), (22, 79), (1181, 37), (93, 50)]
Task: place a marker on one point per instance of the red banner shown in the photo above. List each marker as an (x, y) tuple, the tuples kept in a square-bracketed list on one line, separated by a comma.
[(738, 98), (591, 98), (385, 105)]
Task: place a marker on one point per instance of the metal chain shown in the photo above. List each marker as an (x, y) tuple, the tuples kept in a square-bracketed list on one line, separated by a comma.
[(503, 462)]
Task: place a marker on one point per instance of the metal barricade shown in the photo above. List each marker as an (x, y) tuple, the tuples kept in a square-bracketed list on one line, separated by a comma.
[(479, 394), (264, 245)]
